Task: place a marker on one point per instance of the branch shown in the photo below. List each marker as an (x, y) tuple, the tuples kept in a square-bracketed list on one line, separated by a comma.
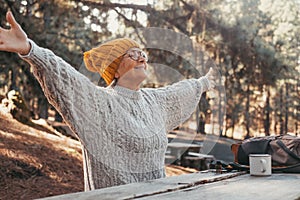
[(187, 6), (133, 24), (147, 9)]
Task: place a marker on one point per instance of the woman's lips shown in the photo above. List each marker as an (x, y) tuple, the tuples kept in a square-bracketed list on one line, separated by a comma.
[(139, 67)]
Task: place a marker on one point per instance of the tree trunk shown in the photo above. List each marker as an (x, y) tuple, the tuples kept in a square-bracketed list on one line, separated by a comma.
[(247, 114), (267, 114), (201, 115), (232, 132), (43, 108), (286, 108), (12, 76), (296, 128), (281, 132), (201, 124), (220, 114)]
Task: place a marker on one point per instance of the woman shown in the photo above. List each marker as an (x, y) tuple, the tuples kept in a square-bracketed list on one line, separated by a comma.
[(122, 128)]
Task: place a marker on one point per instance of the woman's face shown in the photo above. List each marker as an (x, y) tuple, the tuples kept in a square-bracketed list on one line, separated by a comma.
[(133, 65)]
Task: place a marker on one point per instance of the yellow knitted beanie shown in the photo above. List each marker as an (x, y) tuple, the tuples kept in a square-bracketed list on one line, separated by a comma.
[(106, 58)]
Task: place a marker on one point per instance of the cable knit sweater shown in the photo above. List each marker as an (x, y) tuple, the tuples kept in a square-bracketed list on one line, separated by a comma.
[(123, 132)]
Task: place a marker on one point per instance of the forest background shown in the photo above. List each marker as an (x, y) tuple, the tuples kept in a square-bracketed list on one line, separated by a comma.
[(255, 44)]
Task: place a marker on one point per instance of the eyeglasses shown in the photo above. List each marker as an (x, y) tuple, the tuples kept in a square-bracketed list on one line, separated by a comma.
[(136, 54)]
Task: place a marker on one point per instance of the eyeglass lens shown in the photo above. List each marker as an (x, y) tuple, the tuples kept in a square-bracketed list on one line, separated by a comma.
[(136, 54)]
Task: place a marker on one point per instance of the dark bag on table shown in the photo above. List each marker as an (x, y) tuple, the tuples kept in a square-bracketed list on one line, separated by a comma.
[(284, 150)]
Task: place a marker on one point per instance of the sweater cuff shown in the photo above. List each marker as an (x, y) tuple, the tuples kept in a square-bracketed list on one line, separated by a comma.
[(204, 81), (30, 51)]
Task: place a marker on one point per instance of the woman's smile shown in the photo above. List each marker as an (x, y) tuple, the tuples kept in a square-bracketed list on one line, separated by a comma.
[(140, 67)]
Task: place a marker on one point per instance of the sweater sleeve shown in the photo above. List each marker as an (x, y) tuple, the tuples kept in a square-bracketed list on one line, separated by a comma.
[(178, 101), (70, 92)]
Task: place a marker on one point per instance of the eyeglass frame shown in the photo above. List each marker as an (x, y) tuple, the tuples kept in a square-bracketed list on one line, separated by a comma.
[(136, 57)]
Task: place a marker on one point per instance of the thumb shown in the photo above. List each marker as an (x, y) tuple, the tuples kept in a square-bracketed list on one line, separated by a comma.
[(210, 72), (11, 20)]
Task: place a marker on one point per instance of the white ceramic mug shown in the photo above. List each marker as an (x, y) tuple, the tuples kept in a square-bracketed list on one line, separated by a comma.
[(260, 164)]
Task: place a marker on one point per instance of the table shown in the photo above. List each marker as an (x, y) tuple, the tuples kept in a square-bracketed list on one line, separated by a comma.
[(201, 185), (181, 149)]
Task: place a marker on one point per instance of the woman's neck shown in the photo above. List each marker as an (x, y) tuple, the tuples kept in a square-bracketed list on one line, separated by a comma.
[(128, 84)]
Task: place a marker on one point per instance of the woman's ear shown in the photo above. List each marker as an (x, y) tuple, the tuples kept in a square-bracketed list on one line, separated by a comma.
[(117, 75)]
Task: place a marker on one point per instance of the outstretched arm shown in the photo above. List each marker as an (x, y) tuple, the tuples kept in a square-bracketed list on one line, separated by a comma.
[(14, 39), (179, 101), (69, 91)]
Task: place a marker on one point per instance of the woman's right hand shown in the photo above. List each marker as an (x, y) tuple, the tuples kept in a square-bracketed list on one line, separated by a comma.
[(14, 39), (212, 75)]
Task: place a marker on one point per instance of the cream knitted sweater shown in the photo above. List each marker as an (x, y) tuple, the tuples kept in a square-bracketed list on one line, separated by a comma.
[(123, 132)]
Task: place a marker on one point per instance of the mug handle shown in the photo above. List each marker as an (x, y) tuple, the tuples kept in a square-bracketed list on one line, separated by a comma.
[(263, 165)]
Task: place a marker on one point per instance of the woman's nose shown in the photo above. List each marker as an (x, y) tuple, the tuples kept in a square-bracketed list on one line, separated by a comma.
[(142, 59)]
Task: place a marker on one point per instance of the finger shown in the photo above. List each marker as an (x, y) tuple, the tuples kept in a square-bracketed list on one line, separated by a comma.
[(11, 20), (209, 71)]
